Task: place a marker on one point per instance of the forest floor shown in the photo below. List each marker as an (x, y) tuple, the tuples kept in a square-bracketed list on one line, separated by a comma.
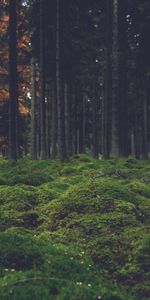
[(74, 230)]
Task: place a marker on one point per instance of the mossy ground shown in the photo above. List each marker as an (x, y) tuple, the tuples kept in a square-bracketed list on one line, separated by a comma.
[(74, 230)]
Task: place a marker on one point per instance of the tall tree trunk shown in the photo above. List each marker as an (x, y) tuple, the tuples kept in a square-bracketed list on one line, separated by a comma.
[(60, 81), (95, 138), (53, 122), (114, 152), (33, 111), (48, 107), (123, 99), (132, 151), (70, 120), (107, 85), (67, 120), (74, 116), (144, 131), (42, 80), (13, 82), (81, 120)]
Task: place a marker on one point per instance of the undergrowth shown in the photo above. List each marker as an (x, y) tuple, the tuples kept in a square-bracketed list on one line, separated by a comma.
[(76, 230)]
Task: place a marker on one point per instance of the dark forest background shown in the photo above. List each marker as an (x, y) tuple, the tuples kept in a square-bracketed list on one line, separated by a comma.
[(74, 78)]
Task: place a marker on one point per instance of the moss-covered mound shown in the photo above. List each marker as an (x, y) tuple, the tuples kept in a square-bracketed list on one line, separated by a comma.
[(70, 229), (37, 268)]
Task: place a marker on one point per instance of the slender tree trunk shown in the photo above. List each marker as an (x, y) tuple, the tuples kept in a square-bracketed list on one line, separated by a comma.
[(84, 121), (53, 122), (132, 143), (42, 80), (67, 120), (74, 121), (60, 81), (81, 120), (70, 124), (107, 86), (123, 99), (95, 143), (115, 84), (13, 82), (144, 135), (48, 106), (33, 111)]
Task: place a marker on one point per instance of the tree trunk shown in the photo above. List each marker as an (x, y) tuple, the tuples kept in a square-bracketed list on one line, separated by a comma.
[(48, 107), (144, 135), (81, 121), (132, 143), (95, 135), (33, 111), (67, 121), (107, 84), (123, 99), (13, 82), (114, 152), (42, 87), (53, 122), (60, 82)]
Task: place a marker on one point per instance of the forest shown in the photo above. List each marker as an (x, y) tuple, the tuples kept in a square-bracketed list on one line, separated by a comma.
[(74, 149)]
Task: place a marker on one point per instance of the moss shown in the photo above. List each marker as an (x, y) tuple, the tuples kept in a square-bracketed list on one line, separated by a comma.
[(18, 197), (2, 180), (15, 202), (82, 158), (45, 193), (91, 196), (68, 170), (140, 188), (136, 270), (33, 179), (96, 207), (19, 251), (36, 268)]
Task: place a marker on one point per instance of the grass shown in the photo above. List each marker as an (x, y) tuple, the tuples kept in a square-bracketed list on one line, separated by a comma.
[(74, 230)]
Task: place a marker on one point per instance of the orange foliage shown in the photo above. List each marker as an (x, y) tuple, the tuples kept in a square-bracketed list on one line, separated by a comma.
[(23, 43), (4, 24), (3, 71), (4, 94), (23, 69), (23, 109), (4, 54)]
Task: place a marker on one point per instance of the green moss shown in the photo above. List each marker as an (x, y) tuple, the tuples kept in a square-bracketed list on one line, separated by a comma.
[(140, 188), (19, 251), (45, 193), (15, 202), (68, 170), (96, 207), (35, 268), (19, 196)]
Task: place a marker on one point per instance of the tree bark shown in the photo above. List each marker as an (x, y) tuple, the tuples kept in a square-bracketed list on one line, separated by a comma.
[(53, 122), (13, 83), (123, 99), (48, 107), (42, 87), (95, 135), (33, 110), (60, 81), (107, 84), (114, 152)]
